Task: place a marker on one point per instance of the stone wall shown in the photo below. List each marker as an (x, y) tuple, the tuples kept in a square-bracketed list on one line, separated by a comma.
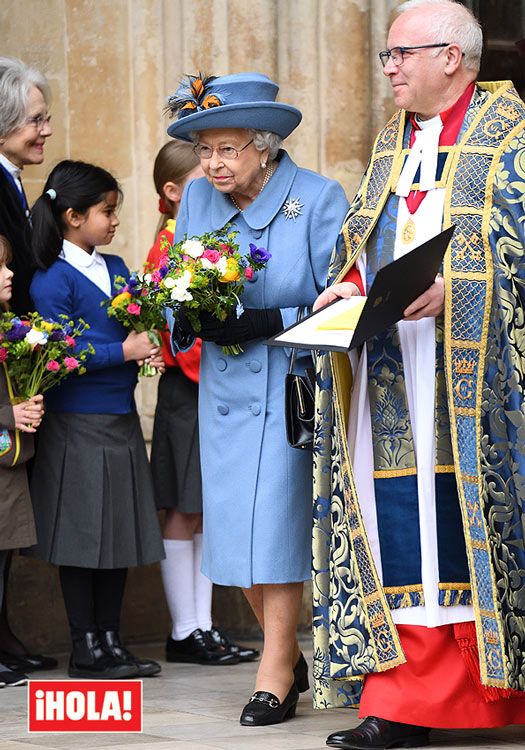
[(111, 65)]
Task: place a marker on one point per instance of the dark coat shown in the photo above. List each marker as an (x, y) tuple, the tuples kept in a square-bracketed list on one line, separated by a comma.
[(15, 225), (17, 526)]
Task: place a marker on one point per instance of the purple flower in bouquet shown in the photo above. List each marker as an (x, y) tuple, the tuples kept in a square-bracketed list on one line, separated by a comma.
[(259, 254), (17, 332), (57, 336)]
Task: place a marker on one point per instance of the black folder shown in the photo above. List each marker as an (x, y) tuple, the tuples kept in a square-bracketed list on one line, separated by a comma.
[(395, 287)]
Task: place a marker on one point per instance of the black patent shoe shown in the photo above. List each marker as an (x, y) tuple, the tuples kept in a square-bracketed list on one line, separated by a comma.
[(378, 734), (244, 653), (27, 662), (265, 708), (89, 659), (12, 678), (198, 648), (300, 673), (111, 644)]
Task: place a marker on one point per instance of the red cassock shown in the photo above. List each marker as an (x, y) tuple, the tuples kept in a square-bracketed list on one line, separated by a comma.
[(436, 687)]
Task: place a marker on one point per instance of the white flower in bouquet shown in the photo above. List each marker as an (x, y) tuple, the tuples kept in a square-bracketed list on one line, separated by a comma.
[(34, 337), (180, 292), (193, 248), (221, 265), (169, 282)]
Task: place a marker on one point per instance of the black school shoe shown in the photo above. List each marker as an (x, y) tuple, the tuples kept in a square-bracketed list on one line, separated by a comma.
[(265, 708), (110, 640), (198, 648), (89, 659), (12, 678), (27, 662), (220, 638), (379, 734)]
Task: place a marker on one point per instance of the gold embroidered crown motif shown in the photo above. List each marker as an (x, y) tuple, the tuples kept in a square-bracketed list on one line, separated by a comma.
[(464, 366)]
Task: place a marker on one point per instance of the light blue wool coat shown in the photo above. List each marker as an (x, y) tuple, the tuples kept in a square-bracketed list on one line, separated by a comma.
[(257, 491)]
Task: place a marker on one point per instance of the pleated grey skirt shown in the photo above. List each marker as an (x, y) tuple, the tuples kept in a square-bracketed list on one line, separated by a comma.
[(92, 493), (175, 460)]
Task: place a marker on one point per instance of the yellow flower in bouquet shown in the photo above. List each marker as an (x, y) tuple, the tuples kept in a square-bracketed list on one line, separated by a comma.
[(232, 272), (119, 299)]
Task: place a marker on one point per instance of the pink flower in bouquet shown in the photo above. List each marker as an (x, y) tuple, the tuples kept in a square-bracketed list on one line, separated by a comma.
[(133, 309), (71, 363), (26, 323), (3, 354), (156, 277), (53, 366), (226, 248), (212, 255), (70, 341), (248, 273)]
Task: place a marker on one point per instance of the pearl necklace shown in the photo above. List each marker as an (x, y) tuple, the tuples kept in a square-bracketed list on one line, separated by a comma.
[(269, 172)]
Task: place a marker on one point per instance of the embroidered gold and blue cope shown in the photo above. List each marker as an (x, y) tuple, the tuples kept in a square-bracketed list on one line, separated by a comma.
[(479, 419)]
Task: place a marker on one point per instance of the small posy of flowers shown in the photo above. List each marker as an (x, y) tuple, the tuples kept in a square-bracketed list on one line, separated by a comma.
[(38, 353), (135, 308), (208, 273)]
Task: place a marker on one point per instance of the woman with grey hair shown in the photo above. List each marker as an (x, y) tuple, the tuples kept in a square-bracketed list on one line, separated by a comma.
[(24, 128), (257, 492)]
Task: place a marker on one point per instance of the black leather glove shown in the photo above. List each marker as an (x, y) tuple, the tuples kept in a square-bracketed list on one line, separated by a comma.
[(183, 333), (253, 324)]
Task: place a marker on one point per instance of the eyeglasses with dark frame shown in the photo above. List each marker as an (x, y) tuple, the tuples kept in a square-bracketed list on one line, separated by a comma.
[(38, 121), (225, 152), (396, 54)]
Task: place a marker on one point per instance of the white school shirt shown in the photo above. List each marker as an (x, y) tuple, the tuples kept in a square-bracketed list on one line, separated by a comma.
[(93, 265)]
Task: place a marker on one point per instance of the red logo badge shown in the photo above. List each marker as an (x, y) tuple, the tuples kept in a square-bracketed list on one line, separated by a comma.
[(85, 706)]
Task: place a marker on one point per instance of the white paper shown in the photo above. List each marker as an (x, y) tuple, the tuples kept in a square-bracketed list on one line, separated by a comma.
[(306, 334)]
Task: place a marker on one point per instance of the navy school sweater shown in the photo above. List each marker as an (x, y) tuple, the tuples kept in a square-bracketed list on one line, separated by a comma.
[(109, 383)]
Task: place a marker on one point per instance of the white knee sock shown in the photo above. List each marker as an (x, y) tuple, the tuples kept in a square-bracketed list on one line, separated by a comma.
[(203, 587), (177, 576)]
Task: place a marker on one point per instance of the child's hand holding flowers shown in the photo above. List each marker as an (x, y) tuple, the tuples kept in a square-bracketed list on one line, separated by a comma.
[(134, 307), (28, 414)]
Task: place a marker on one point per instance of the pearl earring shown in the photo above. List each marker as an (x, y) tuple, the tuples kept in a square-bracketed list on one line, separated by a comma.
[(263, 165)]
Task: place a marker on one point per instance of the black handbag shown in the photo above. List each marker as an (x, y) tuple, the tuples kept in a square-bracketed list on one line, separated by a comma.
[(299, 394)]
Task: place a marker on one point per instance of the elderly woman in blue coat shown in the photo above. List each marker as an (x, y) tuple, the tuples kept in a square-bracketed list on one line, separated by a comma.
[(257, 490)]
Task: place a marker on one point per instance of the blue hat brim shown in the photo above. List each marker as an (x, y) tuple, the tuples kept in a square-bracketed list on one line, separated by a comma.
[(275, 117)]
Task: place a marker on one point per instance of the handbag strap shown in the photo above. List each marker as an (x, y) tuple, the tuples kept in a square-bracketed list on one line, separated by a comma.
[(301, 312)]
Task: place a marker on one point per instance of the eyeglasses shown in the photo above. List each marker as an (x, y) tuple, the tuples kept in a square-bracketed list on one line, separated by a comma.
[(225, 152), (38, 121), (396, 54)]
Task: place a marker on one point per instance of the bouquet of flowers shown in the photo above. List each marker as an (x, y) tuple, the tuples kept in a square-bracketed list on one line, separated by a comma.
[(38, 353), (135, 308), (208, 273)]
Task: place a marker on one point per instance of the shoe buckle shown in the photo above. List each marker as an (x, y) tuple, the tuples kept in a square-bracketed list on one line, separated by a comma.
[(272, 702)]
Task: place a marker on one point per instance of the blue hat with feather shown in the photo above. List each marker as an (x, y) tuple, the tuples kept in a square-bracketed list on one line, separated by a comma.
[(240, 100)]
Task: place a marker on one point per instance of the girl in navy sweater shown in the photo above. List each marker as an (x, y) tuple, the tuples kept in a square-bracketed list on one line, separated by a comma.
[(91, 484)]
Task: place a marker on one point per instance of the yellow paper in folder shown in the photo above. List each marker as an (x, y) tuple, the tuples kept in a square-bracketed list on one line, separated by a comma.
[(345, 321)]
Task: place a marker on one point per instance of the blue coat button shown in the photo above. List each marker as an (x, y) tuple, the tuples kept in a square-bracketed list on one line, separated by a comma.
[(255, 365), (257, 233), (256, 409), (221, 365), (223, 409)]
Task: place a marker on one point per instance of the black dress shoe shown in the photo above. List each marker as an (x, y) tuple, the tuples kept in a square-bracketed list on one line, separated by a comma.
[(27, 662), (198, 648), (12, 678), (111, 644), (300, 673), (89, 659), (244, 653), (375, 734), (265, 708)]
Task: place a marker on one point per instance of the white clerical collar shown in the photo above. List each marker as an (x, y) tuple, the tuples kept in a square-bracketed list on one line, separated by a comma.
[(78, 257), (423, 155), (11, 168)]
